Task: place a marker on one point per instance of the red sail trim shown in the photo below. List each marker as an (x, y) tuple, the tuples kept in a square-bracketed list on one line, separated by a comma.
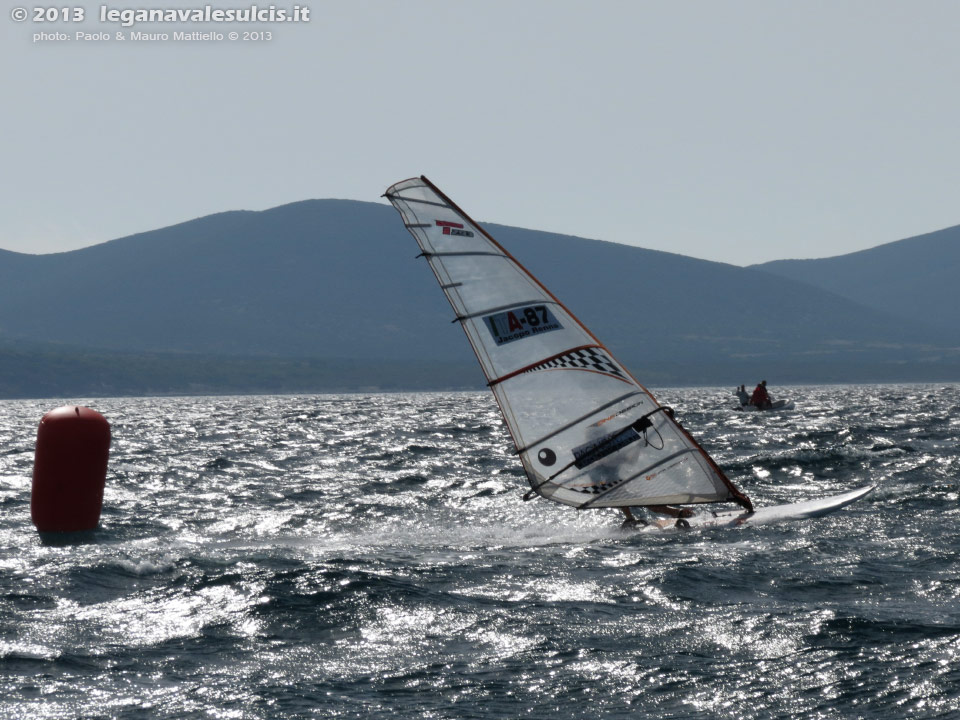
[(531, 366)]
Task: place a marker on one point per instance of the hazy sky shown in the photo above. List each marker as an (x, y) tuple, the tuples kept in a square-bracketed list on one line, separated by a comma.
[(734, 131)]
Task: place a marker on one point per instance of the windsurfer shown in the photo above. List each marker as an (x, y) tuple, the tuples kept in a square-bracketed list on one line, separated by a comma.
[(558, 383), (668, 510), (760, 398)]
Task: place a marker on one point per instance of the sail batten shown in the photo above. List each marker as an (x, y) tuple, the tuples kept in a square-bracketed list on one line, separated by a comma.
[(646, 470), (459, 254), (559, 388), (392, 197), (576, 421)]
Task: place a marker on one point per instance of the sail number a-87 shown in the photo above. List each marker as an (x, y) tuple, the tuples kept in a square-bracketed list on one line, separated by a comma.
[(520, 322)]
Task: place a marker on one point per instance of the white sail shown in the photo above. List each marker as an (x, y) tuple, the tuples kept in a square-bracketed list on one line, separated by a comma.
[(588, 434)]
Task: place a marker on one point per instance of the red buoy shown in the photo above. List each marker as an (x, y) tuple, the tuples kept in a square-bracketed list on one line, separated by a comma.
[(69, 470)]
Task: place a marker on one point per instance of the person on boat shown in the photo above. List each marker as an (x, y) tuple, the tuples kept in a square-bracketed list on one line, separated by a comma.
[(742, 395), (760, 398), (668, 510)]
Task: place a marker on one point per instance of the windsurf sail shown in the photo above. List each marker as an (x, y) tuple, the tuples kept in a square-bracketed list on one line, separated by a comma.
[(587, 433)]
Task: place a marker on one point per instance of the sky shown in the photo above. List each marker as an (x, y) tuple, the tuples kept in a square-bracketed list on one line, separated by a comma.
[(736, 131)]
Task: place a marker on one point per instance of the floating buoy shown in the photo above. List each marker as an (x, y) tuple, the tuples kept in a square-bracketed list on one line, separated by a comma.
[(69, 470)]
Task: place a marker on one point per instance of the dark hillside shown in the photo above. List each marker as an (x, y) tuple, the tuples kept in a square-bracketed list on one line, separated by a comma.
[(913, 279), (337, 281)]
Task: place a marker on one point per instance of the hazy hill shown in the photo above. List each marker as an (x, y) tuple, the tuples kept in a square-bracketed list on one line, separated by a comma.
[(317, 278), (913, 279), (660, 305), (334, 285)]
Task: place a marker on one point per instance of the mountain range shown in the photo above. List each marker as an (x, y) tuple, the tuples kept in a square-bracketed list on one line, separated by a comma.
[(914, 279), (327, 295)]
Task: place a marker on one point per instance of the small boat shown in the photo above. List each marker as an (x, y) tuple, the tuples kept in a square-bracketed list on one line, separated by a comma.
[(776, 405), (587, 433)]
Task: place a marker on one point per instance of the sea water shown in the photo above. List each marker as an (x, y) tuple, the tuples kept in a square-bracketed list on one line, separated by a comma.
[(369, 556)]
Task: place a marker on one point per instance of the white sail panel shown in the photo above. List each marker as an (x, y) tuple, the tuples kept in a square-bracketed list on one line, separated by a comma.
[(588, 434)]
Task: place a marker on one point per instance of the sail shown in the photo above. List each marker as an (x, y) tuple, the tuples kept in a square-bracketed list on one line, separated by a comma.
[(588, 434)]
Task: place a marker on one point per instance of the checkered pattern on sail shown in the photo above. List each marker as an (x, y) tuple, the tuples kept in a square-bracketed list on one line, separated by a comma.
[(584, 359)]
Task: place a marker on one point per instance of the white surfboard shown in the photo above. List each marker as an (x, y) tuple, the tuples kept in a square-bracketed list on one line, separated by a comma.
[(762, 516), (777, 405)]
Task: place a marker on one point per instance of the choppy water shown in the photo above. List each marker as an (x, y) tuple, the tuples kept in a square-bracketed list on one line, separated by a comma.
[(368, 556)]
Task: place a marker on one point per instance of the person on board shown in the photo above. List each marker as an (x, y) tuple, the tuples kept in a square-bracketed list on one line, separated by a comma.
[(742, 395), (668, 510), (760, 398)]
